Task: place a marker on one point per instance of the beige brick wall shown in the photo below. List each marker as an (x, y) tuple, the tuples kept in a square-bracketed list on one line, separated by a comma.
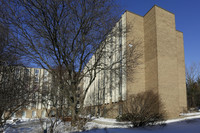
[(167, 61), (135, 36), (181, 72), (163, 68), (150, 40)]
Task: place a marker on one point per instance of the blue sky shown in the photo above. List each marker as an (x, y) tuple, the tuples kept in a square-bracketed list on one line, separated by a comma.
[(187, 15)]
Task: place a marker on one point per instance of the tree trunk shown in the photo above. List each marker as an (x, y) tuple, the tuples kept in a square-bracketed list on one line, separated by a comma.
[(73, 115), (51, 129)]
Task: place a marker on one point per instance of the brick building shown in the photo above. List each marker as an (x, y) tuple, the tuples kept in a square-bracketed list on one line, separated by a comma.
[(162, 67)]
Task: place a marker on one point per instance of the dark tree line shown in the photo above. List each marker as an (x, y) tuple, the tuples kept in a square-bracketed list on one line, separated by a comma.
[(193, 85)]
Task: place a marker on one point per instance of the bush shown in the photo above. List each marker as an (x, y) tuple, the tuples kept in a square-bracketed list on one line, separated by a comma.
[(143, 109)]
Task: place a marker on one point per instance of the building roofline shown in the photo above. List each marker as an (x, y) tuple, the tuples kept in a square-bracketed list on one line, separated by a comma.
[(149, 11), (160, 8), (134, 13), (179, 31)]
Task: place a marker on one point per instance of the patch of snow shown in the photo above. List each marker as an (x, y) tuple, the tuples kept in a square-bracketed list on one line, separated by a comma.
[(183, 119), (186, 126), (112, 123), (190, 114), (105, 125), (106, 119)]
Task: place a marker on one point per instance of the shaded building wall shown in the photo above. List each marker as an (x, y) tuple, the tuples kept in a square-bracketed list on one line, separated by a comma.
[(109, 86), (181, 72)]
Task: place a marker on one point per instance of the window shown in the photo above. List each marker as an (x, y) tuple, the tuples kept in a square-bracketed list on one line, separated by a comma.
[(33, 114), (52, 113), (36, 79), (45, 79), (120, 50), (43, 113), (26, 75), (111, 60), (36, 75), (45, 91), (104, 81), (13, 115), (17, 72), (24, 114), (46, 73), (26, 72), (36, 71), (35, 87), (78, 106), (120, 109)]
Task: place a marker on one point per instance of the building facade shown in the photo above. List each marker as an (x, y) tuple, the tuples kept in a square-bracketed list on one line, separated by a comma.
[(161, 68), (40, 81), (33, 83), (37, 96)]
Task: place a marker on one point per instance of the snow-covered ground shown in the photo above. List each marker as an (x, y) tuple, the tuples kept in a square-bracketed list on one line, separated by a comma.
[(35, 126), (190, 123), (188, 126)]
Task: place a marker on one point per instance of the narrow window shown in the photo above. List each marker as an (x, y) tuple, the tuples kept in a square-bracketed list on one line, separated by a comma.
[(36, 75), (43, 113), (111, 60), (46, 73), (120, 53), (14, 115), (17, 72), (120, 109), (24, 114), (26, 72), (36, 71), (33, 114)]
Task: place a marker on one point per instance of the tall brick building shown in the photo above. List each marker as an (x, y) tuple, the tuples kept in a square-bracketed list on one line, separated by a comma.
[(162, 69)]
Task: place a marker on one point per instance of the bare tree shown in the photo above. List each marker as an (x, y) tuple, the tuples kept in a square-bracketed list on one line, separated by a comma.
[(192, 72), (15, 92), (6, 56), (67, 34), (53, 100)]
